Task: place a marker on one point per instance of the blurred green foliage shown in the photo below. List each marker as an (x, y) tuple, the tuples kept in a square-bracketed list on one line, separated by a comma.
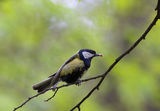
[(37, 36)]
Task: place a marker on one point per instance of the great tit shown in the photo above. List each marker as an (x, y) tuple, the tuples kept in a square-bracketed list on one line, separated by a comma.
[(72, 70)]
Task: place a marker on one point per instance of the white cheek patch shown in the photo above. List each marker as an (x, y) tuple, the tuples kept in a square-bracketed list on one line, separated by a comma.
[(87, 55)]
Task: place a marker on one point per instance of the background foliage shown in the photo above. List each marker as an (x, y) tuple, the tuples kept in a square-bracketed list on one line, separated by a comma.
[(37, 36)]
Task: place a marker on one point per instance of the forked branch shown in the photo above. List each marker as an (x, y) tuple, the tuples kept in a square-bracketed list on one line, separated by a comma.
[(142, 37), (102, 76), (55, 91)]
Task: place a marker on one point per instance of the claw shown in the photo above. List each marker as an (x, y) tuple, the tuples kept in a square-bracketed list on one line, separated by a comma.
[(78, 82), (54, 86), (53, 89)]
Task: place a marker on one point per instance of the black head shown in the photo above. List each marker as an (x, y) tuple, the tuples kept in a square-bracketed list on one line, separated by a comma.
[(87, 54)]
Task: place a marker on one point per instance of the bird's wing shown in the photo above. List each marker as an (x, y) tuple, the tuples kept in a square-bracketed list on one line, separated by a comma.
[(68, 61), (56, 77)]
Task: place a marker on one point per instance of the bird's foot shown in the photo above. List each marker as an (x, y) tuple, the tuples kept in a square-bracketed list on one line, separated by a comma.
[(78, 82), (54, 87)]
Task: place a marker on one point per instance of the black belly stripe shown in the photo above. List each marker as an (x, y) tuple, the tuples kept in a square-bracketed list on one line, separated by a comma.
[(74, 76)]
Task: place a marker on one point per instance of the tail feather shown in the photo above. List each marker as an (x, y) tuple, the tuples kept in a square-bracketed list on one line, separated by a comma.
[(41, 86)]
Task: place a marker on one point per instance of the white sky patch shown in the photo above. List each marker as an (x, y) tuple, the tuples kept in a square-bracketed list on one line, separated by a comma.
[(67, 3), (87, 55), (59, 24), (88, 22), (82, 5)]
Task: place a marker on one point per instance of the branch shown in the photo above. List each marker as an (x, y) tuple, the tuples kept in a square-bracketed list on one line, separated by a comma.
[(102, 76), (56, 90), (85, 80), (142, 37), (158, 8)]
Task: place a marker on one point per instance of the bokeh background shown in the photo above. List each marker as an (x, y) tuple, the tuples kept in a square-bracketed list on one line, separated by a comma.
[(37, 36)]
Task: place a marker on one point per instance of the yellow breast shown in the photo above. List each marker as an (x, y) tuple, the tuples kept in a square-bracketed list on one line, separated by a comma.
[(71, 66)]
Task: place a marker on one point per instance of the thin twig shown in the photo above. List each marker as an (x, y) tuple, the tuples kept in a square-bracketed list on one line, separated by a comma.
[(30, 99), (79, 109), (85, 80), (56, 90), (102, 76), (121, 56)]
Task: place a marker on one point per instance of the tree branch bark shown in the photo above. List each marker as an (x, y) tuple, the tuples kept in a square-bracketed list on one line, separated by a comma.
[(102, 76), (142, 37), (55, 89)]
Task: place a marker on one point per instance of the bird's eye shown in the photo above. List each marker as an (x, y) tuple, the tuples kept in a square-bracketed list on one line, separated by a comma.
[(87, 55)]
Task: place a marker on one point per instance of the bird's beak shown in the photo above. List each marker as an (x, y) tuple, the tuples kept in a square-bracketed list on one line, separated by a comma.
[(99, 55)]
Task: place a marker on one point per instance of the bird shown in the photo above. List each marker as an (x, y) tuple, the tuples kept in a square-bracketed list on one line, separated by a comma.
[(71, 71)]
